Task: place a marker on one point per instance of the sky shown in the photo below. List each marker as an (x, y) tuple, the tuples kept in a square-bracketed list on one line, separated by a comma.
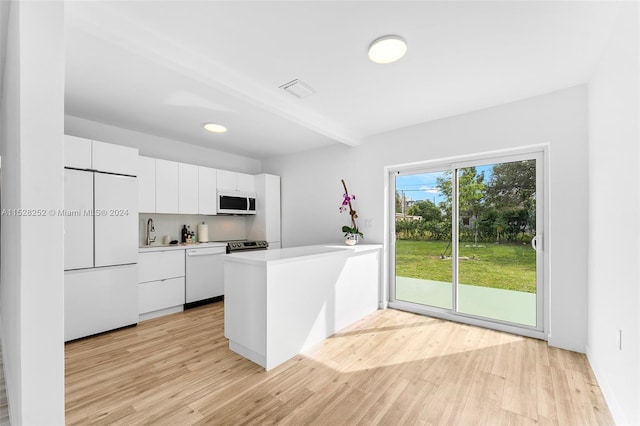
[(424, 186)]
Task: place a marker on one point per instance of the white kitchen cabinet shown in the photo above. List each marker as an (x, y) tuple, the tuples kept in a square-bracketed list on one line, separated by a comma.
[(167, 186), (234, 181), (116, 220), (77, 152), (161, 283), (158, 295), (81, 153), (159, 265), (146, 185), (265, 225), (187, 189), (107, 157), (245, 182), (78, 222), (99, 299), (207, 186), (226, 180)]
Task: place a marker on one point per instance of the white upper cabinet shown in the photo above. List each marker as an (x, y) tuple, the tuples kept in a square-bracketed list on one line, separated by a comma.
[(146, 184), (167, 186), (81, 153), (234, 181), (245, 182), (226, 180), (207, 181), (112, 158), (77, 152), (188, 189)]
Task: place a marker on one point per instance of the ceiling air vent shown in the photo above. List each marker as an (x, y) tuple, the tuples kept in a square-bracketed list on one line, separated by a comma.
[(298, 88)]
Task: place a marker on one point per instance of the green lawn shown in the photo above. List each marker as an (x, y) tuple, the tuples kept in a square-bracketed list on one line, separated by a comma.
[(505, 266)]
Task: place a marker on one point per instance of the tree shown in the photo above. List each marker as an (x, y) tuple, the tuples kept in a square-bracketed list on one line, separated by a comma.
[(512, 192), (426, 209), (471, 194)]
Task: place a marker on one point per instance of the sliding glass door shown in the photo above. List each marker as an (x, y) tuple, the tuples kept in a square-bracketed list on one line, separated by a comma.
[(467, 242), (423, 240)]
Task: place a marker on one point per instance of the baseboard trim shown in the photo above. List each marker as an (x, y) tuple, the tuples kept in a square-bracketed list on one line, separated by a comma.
[(616, 412)]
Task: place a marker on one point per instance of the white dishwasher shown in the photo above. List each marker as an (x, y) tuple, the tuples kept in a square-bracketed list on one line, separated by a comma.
[(204, 274)]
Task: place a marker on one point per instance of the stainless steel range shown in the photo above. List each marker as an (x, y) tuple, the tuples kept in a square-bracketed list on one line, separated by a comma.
[(236, 246)]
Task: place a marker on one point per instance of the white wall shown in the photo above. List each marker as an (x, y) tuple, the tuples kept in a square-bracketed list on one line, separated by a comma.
[(221, 228), (31, 279), (614, 218), (157, 147), (311, 189)]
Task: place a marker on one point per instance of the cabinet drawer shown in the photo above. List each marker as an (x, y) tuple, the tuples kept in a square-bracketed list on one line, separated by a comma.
[(156, 295), (159, 265)]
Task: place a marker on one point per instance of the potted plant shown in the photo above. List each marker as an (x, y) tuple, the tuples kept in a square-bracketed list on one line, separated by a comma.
[(351, 233)]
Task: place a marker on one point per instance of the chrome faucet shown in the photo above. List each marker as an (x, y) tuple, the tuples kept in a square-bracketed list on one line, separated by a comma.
[(150, 229)]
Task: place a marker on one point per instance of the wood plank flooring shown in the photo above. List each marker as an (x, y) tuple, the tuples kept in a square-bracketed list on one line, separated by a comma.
[(391, 368)]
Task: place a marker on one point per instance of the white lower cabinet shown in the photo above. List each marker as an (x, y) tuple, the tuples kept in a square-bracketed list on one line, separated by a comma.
[(99, 299), (158, 295), (161, 287)]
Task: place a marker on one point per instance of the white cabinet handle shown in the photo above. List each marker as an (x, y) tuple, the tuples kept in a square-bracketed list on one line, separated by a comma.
[(534, 243)]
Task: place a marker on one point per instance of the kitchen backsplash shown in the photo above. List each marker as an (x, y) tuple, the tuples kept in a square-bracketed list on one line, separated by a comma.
[(221, 228)]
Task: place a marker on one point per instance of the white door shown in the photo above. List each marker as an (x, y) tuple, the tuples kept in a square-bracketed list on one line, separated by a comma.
[(116, 219), (78, 221)]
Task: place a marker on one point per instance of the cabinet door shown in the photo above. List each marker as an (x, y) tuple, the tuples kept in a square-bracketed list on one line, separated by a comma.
[(146, 185), (226, 180), (111, 158), (245, 182), (207, 190), (116, 219), (77, 152), (78, 222), (166, 186), (187, 189), (97, 300)]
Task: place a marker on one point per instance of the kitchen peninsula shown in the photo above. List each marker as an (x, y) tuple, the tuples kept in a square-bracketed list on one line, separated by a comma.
[(281, 302)]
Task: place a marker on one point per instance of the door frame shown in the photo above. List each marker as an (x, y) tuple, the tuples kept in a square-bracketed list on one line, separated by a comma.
[(542, 177)]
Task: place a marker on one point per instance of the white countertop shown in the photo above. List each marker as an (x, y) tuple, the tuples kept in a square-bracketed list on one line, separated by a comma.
[(292, 254), (181, 246)]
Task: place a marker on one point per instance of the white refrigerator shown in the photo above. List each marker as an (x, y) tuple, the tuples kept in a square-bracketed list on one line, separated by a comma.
[(101, 241)]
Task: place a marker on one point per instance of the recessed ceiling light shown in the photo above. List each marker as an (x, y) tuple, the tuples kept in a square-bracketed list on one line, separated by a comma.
[(215, 128), (387, 49)]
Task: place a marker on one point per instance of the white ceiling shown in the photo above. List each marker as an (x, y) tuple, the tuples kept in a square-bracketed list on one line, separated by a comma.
[(166, 67)]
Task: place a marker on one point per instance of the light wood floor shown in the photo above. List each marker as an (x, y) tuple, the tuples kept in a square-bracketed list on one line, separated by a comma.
[(390, 368)]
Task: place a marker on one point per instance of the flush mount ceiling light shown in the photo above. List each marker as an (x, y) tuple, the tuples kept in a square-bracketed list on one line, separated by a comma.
[(215, 128), (387, 49)]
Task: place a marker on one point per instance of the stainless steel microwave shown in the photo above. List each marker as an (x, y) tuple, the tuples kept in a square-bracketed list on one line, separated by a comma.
[(234, 202)]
